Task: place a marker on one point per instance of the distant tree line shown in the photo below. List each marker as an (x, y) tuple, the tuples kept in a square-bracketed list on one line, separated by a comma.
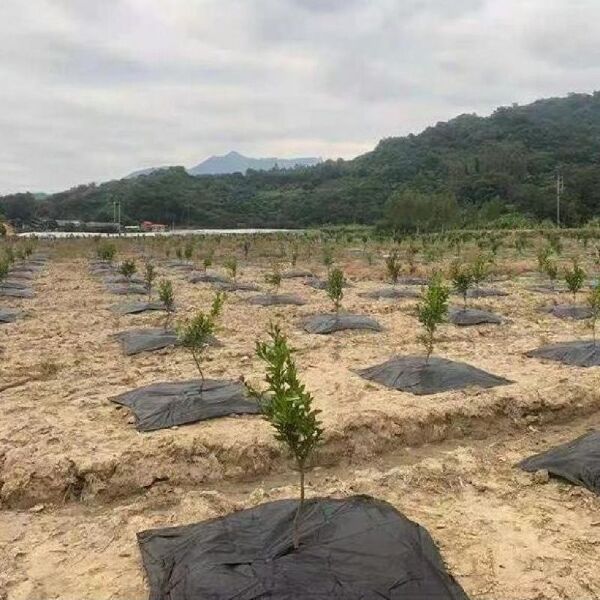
[(498, 170)]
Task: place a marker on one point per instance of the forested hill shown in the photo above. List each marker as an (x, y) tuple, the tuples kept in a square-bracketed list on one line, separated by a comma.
[(501, 166)]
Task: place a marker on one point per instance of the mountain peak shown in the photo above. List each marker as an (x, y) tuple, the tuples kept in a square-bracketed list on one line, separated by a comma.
[(234, 162)]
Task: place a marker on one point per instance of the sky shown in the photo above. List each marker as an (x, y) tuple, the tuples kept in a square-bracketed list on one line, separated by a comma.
[(91, 90)]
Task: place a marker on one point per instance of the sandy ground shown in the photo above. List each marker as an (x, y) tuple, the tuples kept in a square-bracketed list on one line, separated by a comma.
[(77, 480)]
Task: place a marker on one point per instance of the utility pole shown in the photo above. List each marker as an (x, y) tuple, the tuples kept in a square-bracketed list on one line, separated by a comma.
[(560, 188)]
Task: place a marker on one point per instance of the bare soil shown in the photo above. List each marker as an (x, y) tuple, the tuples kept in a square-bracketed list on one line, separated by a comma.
[(77, 481)]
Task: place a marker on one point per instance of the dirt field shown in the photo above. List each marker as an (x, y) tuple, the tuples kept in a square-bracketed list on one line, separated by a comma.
[(77, 480)]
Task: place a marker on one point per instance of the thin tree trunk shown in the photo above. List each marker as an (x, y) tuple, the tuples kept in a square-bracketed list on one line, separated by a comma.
[(299, 510)]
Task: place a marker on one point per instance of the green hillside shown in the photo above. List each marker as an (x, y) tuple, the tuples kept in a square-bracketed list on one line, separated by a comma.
[(469, 170)]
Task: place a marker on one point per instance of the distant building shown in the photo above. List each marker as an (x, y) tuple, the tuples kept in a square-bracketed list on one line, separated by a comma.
[(154, 227)]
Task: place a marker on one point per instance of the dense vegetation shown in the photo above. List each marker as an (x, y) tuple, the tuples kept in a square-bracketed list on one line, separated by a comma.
[(470, 171)]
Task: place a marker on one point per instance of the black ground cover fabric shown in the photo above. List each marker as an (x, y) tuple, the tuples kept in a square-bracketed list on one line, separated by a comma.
[(412, 374), (486, 293), (296, 274), (276, 299), (23, 274), (148, 339), (9, 315), (324, 324), (356, 548), (321, 284), (118, 278), (208, 278), (126, 290), (412, 281), (546, 289), (134, 341), (391, 292), (133, 308), (11, 292), (181, 265), (163, 405), (463, 317), (577, 461), (232, 286), (579, 353), (15, 285), (570, 311)]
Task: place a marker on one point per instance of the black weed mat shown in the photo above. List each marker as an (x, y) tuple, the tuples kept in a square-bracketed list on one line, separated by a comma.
[(357, 548), (577, 312), (276, 300), (11, 292), (9, 315), (579, 353), (324, 324), (134, 308), (577, 461), (126, 290), (486, 293), (391, 292), (463, 317), (134, 341), (163, 405), (296, 274), (208, 278), (232, 286), (412, 374)]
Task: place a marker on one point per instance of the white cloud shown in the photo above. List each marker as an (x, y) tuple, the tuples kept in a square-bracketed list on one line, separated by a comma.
[(92, 90)]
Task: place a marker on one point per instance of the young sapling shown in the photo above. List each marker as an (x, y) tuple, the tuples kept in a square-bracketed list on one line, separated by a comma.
[(166, 297), (593, 301), (196, 333), (432, 311), (462, 279), (231, 265), (149, 277), (392, 265), (288, 407), (128, 269), (274, 278), (551, 271), (574, 278), (335, 287)]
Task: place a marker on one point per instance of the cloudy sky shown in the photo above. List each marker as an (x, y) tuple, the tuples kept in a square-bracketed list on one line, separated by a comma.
[(93, 89)]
